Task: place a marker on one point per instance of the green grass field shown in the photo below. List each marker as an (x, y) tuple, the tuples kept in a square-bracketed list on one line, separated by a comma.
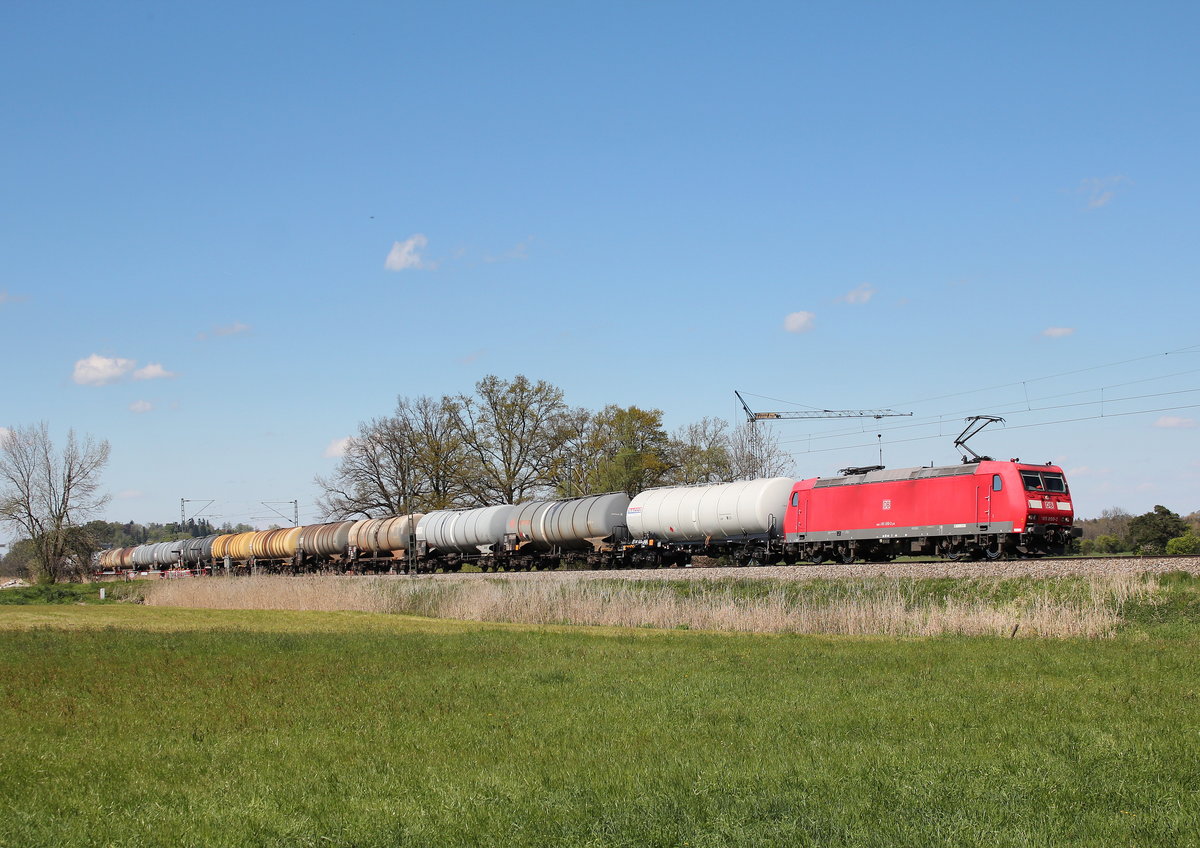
[(131, 725)]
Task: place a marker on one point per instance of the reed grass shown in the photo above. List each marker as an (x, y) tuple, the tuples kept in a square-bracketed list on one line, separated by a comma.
[(1054, 608)]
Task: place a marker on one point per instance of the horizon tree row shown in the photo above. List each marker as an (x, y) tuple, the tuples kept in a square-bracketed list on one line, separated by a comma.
[(514, 440)]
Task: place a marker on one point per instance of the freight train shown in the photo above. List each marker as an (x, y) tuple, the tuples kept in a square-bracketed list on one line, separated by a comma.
[(984, 509)]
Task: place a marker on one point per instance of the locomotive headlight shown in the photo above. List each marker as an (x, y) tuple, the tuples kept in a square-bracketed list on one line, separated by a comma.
[(1035, 504), (1031, 519)]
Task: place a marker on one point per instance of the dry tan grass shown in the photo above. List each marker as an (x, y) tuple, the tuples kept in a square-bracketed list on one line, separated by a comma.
[(878, 606)]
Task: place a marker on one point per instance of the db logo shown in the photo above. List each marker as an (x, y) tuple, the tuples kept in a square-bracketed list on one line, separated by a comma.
[(887, 503)]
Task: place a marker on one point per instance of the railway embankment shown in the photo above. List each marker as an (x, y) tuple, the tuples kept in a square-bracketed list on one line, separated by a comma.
[(1000, 569)]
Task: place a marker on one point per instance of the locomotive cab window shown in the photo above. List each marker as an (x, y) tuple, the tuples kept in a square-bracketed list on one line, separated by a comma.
[(1032, 481), (1054, 482), (997, 483), (795, 499), (1045, 481)]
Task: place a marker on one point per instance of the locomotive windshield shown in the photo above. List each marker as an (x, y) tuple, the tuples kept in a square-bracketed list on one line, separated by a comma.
[(1043, 481)]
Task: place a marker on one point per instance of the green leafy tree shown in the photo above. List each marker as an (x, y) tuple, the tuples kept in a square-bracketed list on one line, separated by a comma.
[(635, 450), (1150, 532), (18, 561), (1187, 544)]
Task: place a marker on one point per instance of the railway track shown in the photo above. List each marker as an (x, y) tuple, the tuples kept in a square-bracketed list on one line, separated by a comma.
[(1007, 568)]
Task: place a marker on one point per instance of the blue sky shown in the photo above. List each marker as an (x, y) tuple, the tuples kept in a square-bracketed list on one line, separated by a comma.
[(229, 234)]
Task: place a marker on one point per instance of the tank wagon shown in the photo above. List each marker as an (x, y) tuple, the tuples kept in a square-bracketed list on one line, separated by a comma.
[(541, 534), (588, 531), (742, 520), (982, 509)]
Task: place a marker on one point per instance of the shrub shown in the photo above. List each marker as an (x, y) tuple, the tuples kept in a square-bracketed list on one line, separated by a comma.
[(1188, 543)]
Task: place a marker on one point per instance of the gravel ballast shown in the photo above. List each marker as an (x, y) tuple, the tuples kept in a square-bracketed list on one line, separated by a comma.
[(1082, 567)]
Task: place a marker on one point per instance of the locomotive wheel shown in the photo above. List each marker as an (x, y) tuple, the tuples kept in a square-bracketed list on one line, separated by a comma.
[(817, 557), (846, 556), (994, 550)]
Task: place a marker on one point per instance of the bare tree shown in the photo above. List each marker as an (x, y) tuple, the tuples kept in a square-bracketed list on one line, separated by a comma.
[(755, 453), (47, 496), (412, 460), (579, 453), (700, 452), (513, 432)]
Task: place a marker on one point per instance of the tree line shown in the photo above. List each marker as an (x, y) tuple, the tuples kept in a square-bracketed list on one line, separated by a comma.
[(23, 557), (1159, 531), (515, 440)]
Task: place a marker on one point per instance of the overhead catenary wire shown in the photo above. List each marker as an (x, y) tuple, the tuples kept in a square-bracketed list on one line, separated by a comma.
[(926, 422), (1013, 427), (1188, 349), (968, 410)]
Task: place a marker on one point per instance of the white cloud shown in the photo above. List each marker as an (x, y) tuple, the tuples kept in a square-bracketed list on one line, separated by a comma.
[(237, 328), (861, 294), (4, 434), (153, 371), (405, 255), (129, 494), (518, 252), (6, 297), (799, 322), (1058, 332), (1100, 190), (1175, 422), (338, 447), (97, 370), (140, 406)]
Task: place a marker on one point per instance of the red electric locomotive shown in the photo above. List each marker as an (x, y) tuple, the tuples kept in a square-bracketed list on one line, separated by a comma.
[(984, 509)]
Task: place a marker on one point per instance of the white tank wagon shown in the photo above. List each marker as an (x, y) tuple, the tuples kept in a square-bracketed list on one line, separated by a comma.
[(448, 537), (743, 520)]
